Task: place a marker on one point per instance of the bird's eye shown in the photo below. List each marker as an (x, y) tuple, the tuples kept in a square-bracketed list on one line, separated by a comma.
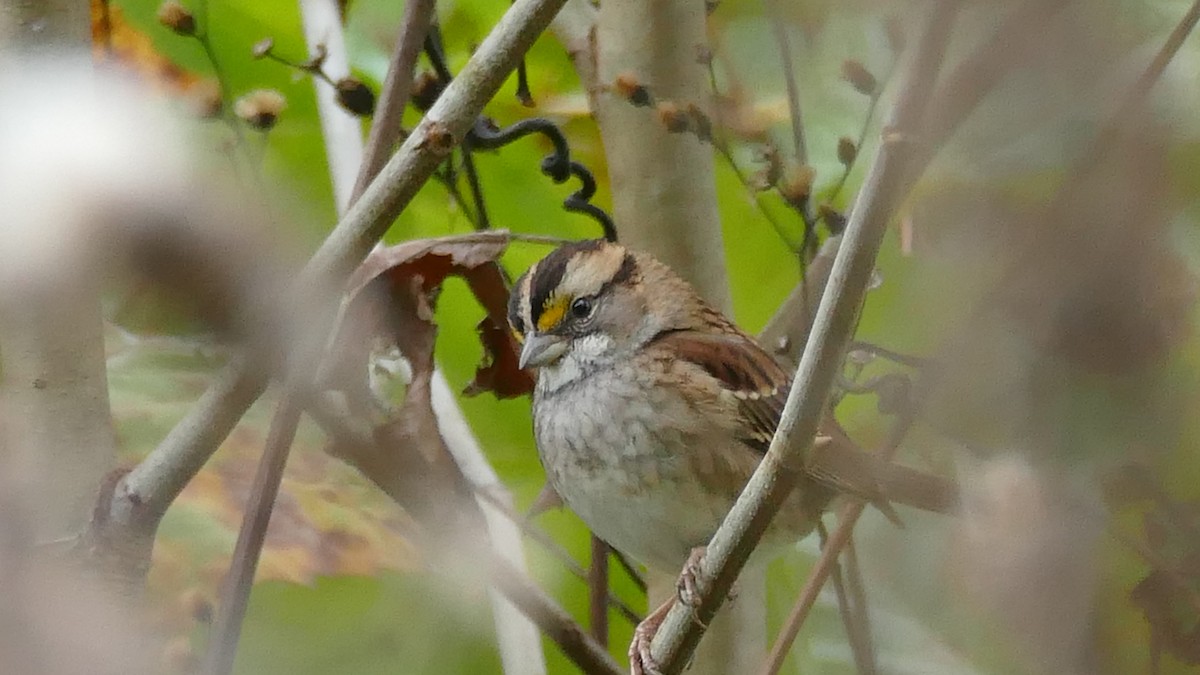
[(581, 308)]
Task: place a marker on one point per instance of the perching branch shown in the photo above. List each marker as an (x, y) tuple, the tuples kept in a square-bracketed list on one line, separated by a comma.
[(776, 475)]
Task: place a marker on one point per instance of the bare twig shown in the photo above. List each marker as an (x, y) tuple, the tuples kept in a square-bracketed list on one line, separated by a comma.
[(827, 563), (858, 597), (553, 620), (836, 317), (598, 591), (562, 555), (1016, 38), (397, 87), (853, 612), (518, 638), (780, 30), (630, 569), (235, 591), (862, 133), (482, 222), (812, 587)]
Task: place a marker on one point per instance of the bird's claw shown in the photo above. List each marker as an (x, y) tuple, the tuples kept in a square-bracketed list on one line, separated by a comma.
[(687, 587)]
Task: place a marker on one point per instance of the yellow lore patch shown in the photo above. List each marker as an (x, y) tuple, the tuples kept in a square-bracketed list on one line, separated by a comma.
[(552, 312)]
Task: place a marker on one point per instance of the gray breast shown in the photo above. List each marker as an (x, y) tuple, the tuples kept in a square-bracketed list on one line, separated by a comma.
[(617, 452)]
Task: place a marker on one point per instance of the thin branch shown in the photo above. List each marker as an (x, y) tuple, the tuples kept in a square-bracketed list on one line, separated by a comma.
[(812, 587), (198, 435), (555, 623), (482, 222), (235, 591), (821, 362), (561, 554), (519, 641), (598, 591), (1135, 99), (853, 612), (630, 570), (862, 134), (780, 30), (397, 88), (827, 563), (721, 143), (858, 596)]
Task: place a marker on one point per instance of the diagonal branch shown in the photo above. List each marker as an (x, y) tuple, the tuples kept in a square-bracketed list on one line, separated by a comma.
[(776, 475), (397, 88)]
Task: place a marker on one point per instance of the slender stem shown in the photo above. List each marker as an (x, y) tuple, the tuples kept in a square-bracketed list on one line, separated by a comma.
[(780, 31), (598, 591), (764, 494), (721, 143), (1017, 38), (553, 620), (858, 596), (852, 611), (812, 587), (559, 553), (397, 88), (630, 570), (235, 592), (827, 563), (222, 84), (862, 135), (482, 222)]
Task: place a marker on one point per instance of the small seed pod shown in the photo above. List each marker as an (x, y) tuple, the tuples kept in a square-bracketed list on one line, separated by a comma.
[(355, 96), (847, 152), (835, 221), (425, 90), (857, 75), (796, 184), (260, 108), (176, 17)]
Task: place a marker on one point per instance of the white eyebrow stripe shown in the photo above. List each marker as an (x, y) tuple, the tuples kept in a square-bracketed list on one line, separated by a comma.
[(523, 307), (588, 273)]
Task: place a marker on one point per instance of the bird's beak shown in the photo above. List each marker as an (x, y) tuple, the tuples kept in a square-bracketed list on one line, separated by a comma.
[(540, 350)]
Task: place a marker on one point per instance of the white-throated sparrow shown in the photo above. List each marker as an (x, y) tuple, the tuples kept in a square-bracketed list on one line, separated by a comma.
[(651, 409)]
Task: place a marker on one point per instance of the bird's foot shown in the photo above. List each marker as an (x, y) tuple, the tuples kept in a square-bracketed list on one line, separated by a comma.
[(687, 587), (641, 661)]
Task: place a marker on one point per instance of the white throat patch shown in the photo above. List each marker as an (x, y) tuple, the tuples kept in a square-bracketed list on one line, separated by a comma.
[(584, 354)]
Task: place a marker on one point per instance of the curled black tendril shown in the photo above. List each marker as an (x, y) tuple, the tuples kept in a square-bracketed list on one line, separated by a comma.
[(557, 165)]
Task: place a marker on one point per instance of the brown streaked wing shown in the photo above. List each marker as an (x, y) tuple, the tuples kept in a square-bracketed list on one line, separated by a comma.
[(744, 369), (762, 385)]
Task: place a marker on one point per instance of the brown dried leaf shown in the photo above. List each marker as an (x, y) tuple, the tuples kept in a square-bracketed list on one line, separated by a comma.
[(370, 311)]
